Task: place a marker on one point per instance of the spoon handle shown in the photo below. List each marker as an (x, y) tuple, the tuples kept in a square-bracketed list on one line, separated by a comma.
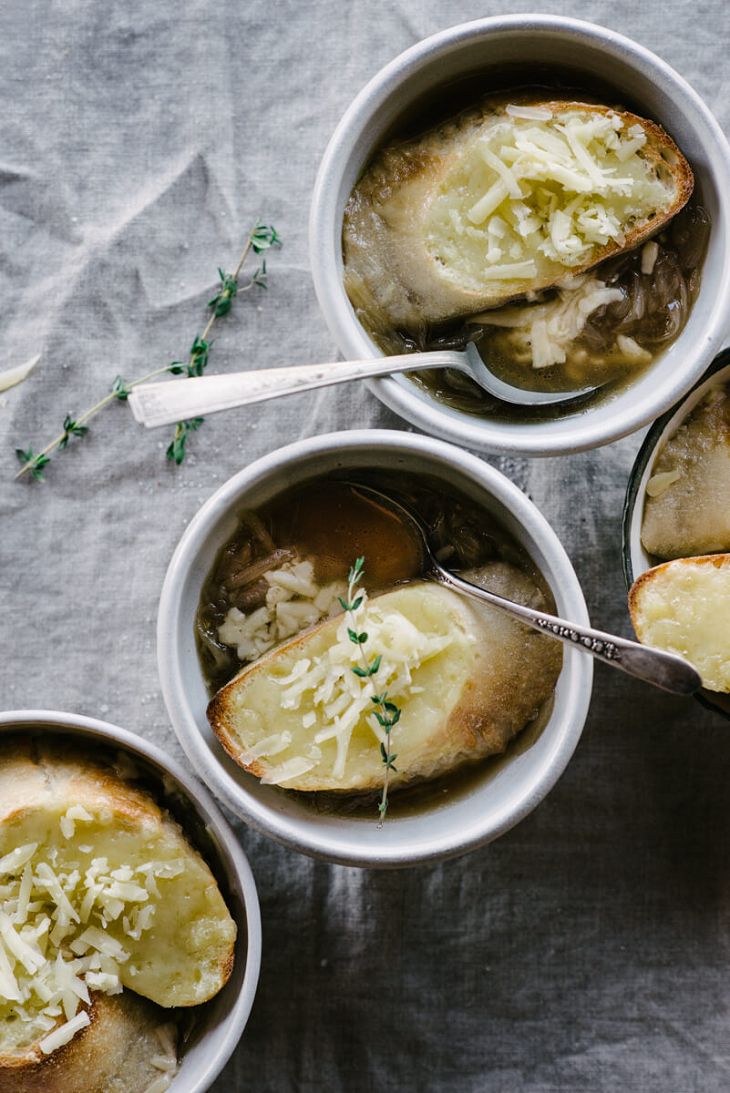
[(664, 670), (164, 403)]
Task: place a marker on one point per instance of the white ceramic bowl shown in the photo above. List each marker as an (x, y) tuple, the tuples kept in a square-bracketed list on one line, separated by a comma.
[(592, 54), (635, 558), (495, 802), (223, 1019)]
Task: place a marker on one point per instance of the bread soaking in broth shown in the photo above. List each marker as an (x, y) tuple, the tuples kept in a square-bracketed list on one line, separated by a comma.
[(535, 204), (687, 506), (317, 662), (465, 679)]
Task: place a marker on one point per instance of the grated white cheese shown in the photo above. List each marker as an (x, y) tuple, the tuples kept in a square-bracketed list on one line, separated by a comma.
[(541, 333), (336, 699), (649, 255), (160, 1085), (531, 113), (292, 768), (64, 1034), (167, 1037), (631, 350), (166, 1063), (560, 185), (54, 947), (489, 201), (270, 745), (660, 483), (17, 373), (16, 859), (510, 271), (294, 602)]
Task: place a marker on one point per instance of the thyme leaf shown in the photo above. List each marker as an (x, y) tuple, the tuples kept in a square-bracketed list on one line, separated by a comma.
[(221, 302), (120, 389), (176, 448), (33, 463), (71, 428), (264, 236)]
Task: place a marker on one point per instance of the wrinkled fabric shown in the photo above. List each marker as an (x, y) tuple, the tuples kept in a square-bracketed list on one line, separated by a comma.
[(586, 951)]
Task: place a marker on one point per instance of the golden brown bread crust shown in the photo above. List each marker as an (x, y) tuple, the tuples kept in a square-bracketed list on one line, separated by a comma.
[(719, 561), (34, 775), (111, 1055), (392, 279)]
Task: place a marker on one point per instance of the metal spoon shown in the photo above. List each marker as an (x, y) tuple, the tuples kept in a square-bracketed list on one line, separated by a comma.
[(163, 403), (664, 670)]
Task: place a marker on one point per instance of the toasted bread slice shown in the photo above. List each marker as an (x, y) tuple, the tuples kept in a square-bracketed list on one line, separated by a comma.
[(101, 889), (504, 201), (465, 677), (687, 506), (113, 1054), (683, 606)]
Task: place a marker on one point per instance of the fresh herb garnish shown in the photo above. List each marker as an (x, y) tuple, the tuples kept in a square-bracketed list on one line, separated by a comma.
[(386, 712), (261, 238), (32, 463), (176, 450)]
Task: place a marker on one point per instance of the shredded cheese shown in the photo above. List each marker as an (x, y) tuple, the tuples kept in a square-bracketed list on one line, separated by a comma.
[(54, 944), (64, 1034), (559, 185), (660, 483), (161, 1084), (541, 333), (649, 255), (532, 113), (294, 602), (335, 699), (17, 373)]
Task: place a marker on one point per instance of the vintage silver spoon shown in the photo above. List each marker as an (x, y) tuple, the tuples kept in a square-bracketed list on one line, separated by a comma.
[(164, 403), (664, 670)]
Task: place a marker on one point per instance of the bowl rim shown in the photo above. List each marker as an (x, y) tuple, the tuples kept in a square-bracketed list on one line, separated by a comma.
[(232, 859), (574, 434), (322, 841), (634, 558)]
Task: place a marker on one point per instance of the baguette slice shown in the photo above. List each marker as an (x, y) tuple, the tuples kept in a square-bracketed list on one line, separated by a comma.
[(97, 853), (495, 205), (687, 507), (465, 677), (111, 1055), (683, 606)]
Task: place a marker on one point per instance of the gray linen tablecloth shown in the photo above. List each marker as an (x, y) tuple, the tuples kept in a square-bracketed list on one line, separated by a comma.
[(587, 950)]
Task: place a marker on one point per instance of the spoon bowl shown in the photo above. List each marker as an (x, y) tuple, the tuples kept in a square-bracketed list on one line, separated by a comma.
[(664, 670), (164, 403)]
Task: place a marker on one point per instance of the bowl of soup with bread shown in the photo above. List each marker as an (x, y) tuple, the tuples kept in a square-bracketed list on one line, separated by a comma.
[(543, 189), (131, 935), (333, 697)]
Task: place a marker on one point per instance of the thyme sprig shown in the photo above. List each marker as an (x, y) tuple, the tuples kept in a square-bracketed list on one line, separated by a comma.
[(261, 238), (386, 712)]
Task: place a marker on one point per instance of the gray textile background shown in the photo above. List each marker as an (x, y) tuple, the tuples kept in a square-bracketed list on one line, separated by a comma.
[(587, 950)]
